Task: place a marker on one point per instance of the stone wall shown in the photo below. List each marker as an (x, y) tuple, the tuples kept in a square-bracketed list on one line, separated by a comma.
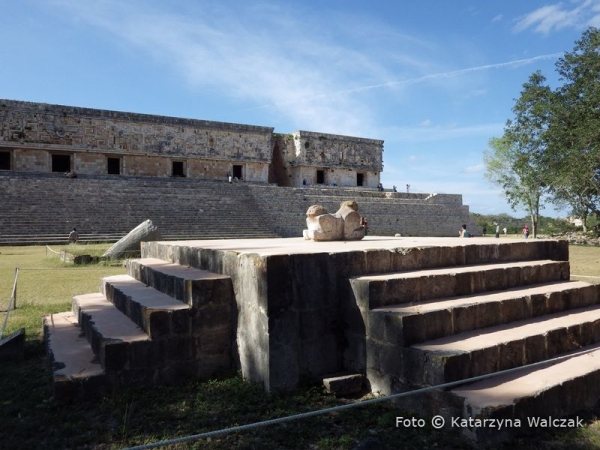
[(341, 160), (37, 137), (145, 145)]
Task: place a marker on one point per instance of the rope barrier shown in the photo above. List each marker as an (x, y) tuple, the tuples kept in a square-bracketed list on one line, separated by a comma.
[(300, 416), (53, 251)]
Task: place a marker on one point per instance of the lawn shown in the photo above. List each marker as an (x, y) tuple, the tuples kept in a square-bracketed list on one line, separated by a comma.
[(31, 419)]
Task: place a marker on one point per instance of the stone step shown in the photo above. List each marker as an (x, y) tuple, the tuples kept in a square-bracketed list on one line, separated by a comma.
[(77, 373), (501, 347), (117, 341), (210, 296), (373, 291), (193, 286), (158, 314), (408, 324), (552, 390)]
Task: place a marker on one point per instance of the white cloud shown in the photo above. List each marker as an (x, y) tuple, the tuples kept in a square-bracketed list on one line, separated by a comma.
[(498, 18), (557, 16), (317, 75), (474, 169), (442, 133), (426, 123)]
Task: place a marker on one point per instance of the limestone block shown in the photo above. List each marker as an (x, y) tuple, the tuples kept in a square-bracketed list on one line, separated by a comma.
[(344, 385), (146, 231)]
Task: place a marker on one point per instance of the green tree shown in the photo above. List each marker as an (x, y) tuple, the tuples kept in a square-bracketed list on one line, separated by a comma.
[(516, 161), (573, 152)]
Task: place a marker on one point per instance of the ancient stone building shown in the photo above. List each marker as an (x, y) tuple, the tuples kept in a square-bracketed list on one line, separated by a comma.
[(36, 137)]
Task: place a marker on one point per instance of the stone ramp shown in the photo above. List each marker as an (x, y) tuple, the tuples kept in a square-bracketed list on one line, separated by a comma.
[(132, 333)]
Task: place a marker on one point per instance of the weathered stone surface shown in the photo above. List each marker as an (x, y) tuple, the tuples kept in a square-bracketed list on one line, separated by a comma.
[(146, 231), (344, 225), (344, 385)]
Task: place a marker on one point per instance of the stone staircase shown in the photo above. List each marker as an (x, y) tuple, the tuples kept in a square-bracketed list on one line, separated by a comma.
[(43, 208), (410, 313), (432, 326), (159, 323), (388, 213), (40, 208)]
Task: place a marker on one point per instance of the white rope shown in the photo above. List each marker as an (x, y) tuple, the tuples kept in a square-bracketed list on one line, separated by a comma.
[(53, 251)]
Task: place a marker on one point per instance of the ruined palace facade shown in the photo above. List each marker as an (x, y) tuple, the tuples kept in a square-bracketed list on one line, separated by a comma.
[(38, 137)]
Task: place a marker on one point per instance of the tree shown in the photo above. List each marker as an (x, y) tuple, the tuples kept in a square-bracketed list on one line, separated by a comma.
[(516, 161), (573, 151)]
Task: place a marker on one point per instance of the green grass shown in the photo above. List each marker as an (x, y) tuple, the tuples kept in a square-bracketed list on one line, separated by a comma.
[(29, 417)]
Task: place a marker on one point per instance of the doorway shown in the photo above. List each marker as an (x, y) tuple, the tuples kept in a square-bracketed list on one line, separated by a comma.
[(61, 163), (360, 179), (177, 169), (114, 166), (237, 171), (320, 177), (4, 160)]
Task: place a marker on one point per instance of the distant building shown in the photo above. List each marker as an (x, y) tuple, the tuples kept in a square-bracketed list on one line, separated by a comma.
[(38, 137)]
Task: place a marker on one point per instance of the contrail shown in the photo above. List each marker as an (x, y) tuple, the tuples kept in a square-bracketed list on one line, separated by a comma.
[(435, 76), (454, 73)]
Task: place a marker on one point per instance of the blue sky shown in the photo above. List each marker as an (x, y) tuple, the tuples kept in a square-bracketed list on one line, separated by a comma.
[(434, 79)]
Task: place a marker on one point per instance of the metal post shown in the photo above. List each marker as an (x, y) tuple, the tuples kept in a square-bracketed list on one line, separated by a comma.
[(15, 289)]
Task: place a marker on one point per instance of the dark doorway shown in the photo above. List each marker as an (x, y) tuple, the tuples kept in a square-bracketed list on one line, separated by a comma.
[(237, 171), (320, 177), (61, 163), (4, 160), (360, 179), (178, 169), (114, 166)]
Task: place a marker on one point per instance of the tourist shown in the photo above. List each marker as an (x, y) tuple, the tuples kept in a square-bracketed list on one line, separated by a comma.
[(498, 230), (526, 231), (229, 177), (394, 189), (364, 224), (504, 229), (304, 183), (463, 232), (73, 236), (484, 230)]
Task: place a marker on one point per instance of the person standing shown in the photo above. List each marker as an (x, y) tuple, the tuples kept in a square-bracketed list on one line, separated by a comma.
[(526, 231), (73, 236), (498, 230), (229, 176)]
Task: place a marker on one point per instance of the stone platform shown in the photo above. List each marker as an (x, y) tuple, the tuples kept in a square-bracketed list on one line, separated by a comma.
[(407, 312)]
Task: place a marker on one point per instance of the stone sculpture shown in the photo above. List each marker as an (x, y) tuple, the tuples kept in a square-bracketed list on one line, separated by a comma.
[(145, 231), (344, 225)]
